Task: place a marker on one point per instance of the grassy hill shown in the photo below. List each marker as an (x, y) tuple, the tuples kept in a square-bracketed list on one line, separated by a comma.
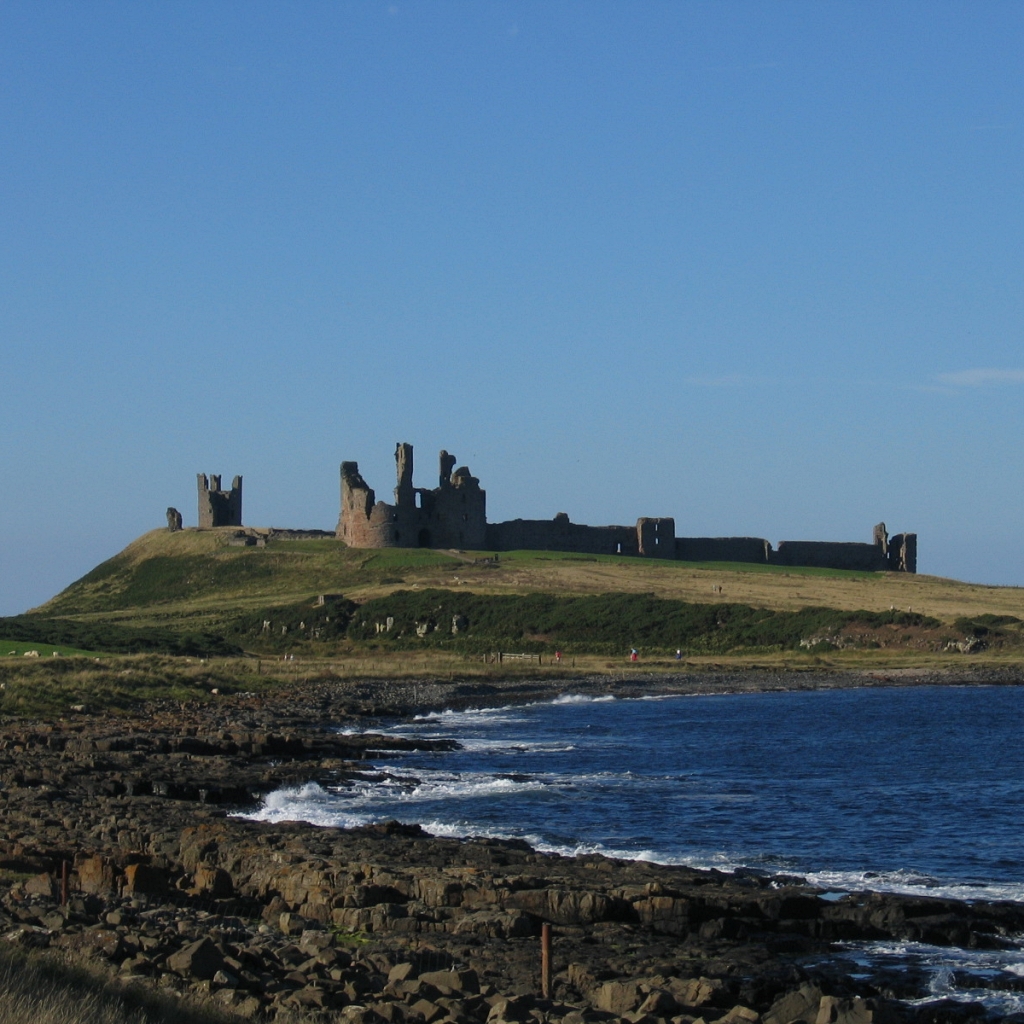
[(195, 592), (198, 575)]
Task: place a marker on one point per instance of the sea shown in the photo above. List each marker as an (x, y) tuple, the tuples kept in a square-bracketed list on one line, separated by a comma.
[(903, 789)]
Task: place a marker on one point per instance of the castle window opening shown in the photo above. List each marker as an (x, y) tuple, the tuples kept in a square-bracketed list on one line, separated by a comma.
[(618, 549), (419, 500)]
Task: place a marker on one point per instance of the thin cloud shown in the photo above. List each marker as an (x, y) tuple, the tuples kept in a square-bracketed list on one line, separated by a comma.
[(980, 378)]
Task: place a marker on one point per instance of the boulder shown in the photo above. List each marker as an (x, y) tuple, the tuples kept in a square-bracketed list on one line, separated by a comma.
[(452, 982), (659, 1003), (95, 875), (428, 1010), (799, 1007), (401, 972), (214, 882), (664, 914), (42, 885), (740, 1015), (495, 925), (292, 924), (697, 991), (562, 906), (144, 880), (833, 1010), (200, 959), (514, 1009), (618, 997)]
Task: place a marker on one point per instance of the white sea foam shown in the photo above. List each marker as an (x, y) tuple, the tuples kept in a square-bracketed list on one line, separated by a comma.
[(405, 797), (945, 965), (483, 801), (912, 883), (476, 716), (310, 803)]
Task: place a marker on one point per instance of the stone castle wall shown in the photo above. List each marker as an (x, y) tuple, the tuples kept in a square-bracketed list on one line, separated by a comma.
[(218, 507), (722, 549), (559, 534), (454, 515), (825, 555), (451, 515)]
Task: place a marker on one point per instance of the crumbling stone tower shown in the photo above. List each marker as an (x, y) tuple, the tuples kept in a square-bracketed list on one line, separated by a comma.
[(656, 537), (898, 552), (218, 507), (451, 515)]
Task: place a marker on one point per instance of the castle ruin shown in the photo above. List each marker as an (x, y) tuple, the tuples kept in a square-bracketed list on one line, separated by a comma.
[(451, 515), (454, 515), (218, 507)]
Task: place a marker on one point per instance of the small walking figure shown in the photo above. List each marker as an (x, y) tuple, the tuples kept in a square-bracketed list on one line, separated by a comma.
[(634, 655), (679, 654), (558, 657)]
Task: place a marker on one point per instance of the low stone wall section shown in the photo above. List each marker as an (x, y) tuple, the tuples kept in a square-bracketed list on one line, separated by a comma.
[(722, 549), (826, 555)]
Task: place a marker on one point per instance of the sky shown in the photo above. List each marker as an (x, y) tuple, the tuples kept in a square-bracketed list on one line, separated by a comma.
[(754, 266)]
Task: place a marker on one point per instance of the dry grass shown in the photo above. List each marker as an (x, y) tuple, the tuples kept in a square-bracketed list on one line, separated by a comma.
[(204, 580), (45, 990), (118, 683)]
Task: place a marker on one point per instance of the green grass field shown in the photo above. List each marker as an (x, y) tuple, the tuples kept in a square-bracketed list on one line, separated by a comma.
[(21, 648), (195, 575), (193, 593)]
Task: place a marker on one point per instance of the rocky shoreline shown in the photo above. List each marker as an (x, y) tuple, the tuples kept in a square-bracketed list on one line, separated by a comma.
[(116, 845)]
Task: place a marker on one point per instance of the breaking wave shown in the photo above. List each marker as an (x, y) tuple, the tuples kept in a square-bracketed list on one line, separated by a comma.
[(849, 789)]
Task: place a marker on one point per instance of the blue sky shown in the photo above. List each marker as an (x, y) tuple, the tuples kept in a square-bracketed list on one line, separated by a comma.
[(755, 266)]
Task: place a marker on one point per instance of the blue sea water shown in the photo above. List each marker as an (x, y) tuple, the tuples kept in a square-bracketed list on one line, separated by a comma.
[(915, 789)]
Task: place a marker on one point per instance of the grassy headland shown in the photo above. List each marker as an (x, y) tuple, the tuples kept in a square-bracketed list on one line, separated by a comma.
[(171, 597)]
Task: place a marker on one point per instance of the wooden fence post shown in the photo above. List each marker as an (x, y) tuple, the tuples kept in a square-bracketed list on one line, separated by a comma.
[(545, 960)]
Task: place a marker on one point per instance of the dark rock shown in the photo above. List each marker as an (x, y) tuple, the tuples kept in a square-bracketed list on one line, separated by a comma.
[(800, 1005), (141, 879), (199, 959), (448, 982)]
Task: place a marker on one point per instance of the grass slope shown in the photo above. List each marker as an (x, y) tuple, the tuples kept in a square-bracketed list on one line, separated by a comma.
[(192, 592), (197, 575)]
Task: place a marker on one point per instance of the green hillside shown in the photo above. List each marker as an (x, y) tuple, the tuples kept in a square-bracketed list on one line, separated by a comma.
[(195, 592)]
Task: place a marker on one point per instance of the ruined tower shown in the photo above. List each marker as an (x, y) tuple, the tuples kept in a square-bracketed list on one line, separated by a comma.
[(217, 507), (656, 538), (451, 515)]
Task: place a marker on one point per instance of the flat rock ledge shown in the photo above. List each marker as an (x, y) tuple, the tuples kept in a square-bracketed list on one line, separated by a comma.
[(116, 844)]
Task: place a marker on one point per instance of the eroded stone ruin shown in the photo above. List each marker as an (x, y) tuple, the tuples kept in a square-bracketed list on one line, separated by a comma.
[(454, 515), (218, 507), (451, 515)]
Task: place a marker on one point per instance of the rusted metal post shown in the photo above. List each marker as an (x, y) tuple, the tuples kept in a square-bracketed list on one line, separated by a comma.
[(63, 883), (545, 960)]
